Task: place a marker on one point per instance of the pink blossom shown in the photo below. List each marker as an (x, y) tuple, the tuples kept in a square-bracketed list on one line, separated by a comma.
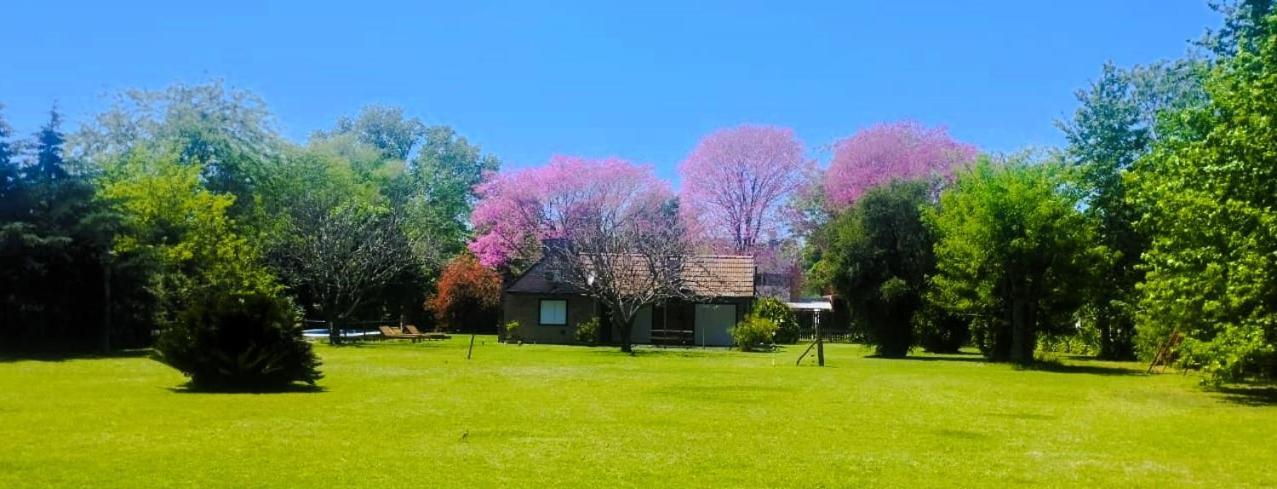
[(736, 181), (517, 210), (896, 151)]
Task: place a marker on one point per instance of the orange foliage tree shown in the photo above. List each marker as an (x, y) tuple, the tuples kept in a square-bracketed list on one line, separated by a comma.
[(467, 295)]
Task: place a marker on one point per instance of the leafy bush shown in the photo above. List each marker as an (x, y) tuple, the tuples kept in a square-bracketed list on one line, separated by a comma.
[(587, 331), (784, 317), (238, 340), (511, 332), (467, 295), (754, 331), (940, 331)]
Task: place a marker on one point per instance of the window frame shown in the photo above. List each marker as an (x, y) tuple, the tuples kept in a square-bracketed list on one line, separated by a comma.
[(541, 315)]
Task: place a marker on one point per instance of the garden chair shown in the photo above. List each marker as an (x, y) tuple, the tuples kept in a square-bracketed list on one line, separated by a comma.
[(429, 336), (391, 333)]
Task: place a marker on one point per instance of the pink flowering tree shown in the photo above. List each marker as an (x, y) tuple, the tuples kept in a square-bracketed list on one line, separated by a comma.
[(736, 181), (886, 152), (608, 228), (519, 210)]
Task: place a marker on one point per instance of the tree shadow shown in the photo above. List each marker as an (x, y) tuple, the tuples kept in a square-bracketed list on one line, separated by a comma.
[(57, 356), (1249, 395), (1073, 368), (294, 388), (948, 357)]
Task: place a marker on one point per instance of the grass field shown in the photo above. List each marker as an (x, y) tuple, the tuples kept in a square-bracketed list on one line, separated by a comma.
[(420, 415)]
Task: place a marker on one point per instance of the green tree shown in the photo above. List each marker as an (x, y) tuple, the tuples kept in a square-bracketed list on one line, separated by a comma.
[(879, 254), (427, 176), (1014, 253), (1244, 24), (227, 133), (335, 240), (1113, 126), (10, 199), (1209, 189), (443, 177), (55, 235), (383, 128), (170, 217)]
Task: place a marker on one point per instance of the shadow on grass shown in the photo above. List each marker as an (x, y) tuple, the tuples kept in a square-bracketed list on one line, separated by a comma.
[(948, 357), (55, 356), (1249, 395), (1073, 368), (188, 388)]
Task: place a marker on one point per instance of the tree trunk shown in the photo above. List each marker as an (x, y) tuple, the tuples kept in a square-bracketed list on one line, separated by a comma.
[(334, 333), (1104, 325), (623, 326), (1020, 332), (105, 340)]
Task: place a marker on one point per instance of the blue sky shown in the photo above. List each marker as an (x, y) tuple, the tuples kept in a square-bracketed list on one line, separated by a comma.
[(642, 80)]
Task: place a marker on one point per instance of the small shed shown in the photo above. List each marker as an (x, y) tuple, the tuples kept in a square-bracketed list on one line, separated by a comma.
[(811, 311)]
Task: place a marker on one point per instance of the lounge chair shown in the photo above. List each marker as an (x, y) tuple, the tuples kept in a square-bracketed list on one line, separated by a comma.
[(391, 333), (429, 336)]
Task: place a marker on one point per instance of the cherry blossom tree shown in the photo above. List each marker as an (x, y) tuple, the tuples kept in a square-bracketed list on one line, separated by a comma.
[(518, 210), (736, 181), (609, 229), (882, 153)]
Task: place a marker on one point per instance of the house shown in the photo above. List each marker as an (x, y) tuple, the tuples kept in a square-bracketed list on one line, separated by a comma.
[(548, 310)]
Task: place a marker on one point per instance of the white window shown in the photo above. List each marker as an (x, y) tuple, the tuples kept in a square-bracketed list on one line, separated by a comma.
[(554, 312)]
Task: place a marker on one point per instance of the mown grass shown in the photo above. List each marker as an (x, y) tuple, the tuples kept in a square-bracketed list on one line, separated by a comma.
[(420, 415)]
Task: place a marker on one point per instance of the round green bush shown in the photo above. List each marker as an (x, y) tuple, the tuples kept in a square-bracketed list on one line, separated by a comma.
[(588, 331), (754, 332), (238, 341), (784, 317)]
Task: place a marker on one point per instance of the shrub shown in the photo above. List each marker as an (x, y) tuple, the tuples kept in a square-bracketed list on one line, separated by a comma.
[(940, 331), (511, 332), (238, 340), (587, 331), (784, 317), (753, 331), (466, 294)]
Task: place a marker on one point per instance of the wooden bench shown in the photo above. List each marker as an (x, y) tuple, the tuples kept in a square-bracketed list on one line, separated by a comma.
[(673, 336)]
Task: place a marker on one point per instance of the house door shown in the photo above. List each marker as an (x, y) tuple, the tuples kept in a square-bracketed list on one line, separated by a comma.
[(714, 323), (642, 331)]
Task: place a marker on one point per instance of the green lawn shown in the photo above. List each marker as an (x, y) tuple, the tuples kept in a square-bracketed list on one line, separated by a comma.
[(420, 415)]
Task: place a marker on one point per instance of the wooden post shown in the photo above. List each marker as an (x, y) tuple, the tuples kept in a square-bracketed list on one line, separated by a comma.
[(820, 342), (471, 350)]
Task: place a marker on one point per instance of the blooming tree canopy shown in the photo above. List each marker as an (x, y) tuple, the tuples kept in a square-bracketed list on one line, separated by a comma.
[(895, 151), (607, 227), (466, 293), (518, 210), (736, 180)]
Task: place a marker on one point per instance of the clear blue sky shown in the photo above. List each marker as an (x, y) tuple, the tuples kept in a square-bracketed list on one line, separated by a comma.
[(642, 80)]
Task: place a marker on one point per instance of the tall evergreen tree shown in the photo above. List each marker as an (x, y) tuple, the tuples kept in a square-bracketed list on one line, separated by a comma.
[(49, 164), (9, 174)]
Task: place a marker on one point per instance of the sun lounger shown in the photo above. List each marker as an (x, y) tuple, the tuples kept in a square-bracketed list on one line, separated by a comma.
[(429, 336), (391, 333)]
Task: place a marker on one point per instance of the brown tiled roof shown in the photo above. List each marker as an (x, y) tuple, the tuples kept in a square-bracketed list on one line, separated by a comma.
[(720, 275), (706, 275)]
